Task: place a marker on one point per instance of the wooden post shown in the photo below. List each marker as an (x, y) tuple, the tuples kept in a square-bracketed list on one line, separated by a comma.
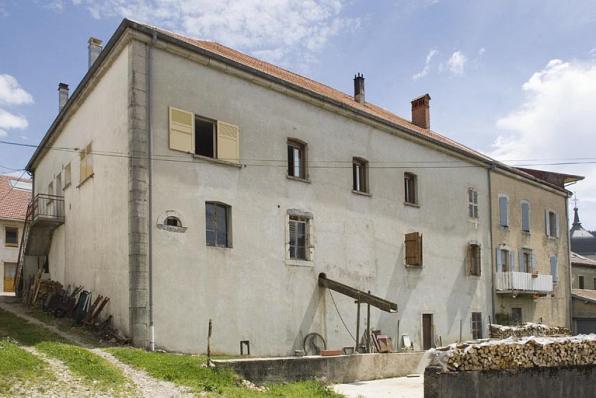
[(357, 325), (368, 348), (209, 344)]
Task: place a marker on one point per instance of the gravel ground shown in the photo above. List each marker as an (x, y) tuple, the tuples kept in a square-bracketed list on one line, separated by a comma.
[(399, 387), (145, 385)]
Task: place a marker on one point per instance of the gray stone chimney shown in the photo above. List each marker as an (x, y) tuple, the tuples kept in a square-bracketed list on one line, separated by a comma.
[(62, 95), (421, 111), (94, 50), (359, 88)]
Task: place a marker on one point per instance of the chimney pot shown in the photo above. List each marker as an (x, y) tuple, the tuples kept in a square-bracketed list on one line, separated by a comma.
[(94, 50), (359, 88), (62, 95), (421, 111)]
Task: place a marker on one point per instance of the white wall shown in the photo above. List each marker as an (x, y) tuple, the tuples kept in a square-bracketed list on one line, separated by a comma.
[(8, 254)]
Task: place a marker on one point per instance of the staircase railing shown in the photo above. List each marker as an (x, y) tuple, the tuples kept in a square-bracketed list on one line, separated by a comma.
[(24, 238)]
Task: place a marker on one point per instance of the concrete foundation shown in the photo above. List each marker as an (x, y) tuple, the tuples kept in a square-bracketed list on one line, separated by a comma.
[(569, 381), (339, 369)]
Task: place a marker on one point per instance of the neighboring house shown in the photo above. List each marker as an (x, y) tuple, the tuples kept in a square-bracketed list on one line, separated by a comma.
[(195, 182), (15, 194), (531, 247), (581, 240), (583, 293)]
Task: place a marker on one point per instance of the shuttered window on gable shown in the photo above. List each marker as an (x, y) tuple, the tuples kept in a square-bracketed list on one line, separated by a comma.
[(503, 211), (414, 249), (525, 208), (86, 166), (552, 224), (472, 203)]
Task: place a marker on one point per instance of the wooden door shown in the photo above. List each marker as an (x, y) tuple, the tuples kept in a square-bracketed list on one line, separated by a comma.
[(427, 322), (10, 271)]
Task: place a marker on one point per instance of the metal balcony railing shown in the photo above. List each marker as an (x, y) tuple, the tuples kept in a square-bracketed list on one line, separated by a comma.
[(48, 208), (524, 282)]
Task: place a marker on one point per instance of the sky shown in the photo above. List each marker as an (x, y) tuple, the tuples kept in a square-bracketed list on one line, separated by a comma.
[(513, 79)]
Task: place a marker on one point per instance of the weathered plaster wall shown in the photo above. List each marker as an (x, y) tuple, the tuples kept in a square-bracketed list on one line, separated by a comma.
[(250, 291), (91, 247), (550, 310), (589, 274), (8, 254)]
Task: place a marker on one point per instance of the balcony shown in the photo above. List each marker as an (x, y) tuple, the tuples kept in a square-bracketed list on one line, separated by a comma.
[(47, 211), (523, 283)]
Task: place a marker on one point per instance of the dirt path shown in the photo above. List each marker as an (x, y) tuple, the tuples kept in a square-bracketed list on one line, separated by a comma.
[(146, 385)]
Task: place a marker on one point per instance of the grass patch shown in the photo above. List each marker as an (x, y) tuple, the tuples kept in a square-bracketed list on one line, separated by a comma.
[(84, 335), (17, 366), (186, 371)]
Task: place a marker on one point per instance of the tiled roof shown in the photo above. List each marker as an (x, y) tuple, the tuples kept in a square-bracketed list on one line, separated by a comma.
[(577, 259), (313, 86), (13, 201), (585, 294)]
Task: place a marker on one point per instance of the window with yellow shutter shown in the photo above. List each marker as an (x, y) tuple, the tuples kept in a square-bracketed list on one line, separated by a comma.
[(86, 167)]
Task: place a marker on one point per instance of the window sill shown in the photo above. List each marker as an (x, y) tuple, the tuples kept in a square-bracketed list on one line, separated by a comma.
[(412, 204), (478, 277), (217, 247), (414, 266), (361, 193), (300, 263), (11, 244), (526, 233), (552, 237), (298, 179), (216, 161), (86, 179), (504, 227)]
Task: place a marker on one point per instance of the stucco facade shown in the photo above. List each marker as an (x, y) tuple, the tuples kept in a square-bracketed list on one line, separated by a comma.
[(116, 242), (551, 307), (9, 253)]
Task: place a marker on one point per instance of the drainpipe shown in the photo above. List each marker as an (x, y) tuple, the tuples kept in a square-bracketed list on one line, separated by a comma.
[(492, 249), (150, 187), (571, 327)]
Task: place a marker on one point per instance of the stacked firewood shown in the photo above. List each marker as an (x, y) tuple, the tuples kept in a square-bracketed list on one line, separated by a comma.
[(523, 353), (526, 330)]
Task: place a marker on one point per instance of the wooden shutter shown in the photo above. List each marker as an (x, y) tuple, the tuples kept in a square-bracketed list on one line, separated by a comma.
[(525, 216), (228, 142), (522, 264), (503, 209), (547, 223), (499, 263), (533, 257), (182, 129), (512, 261), (557, 224), (414, 249), (470, 259)]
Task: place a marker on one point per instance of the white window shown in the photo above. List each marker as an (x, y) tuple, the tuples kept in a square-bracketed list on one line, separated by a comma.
[(503, 211), (525, 210), (472, 203), (505, 260), (296, 159), (218, 224), (67, 176), (86, 166), (360, 175), (527, 262), (411, 188), (552, 224), (476, 325)]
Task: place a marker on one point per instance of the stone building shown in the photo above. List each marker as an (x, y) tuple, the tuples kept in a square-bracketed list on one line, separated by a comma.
[(199, 183)]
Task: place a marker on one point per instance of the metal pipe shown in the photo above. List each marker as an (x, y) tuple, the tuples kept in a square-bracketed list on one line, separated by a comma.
[(150, 187), (357, 326), (368, 327), (568, 252), (492, 249), (461, 325)]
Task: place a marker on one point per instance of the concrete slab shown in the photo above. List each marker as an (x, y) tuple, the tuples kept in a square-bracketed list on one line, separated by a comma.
[(398, 387), (9, 294)]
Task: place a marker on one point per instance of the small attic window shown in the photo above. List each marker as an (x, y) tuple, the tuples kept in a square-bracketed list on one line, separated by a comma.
[(172, 221)]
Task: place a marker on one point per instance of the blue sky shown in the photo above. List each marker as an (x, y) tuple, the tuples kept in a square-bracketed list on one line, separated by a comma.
[(513, 79)]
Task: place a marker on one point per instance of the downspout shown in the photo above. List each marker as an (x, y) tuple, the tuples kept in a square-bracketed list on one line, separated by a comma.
[(571, 326), (492, 249), (150, 187)]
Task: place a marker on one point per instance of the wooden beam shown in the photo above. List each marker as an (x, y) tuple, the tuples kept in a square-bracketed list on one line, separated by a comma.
[(363, 297)]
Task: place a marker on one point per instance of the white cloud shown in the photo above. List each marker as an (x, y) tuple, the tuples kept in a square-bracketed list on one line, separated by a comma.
[(3, 133), (10, 121), (55, 5), (457, 63), (481, 51), (593, 52), (284, 29), (11, 93), (556, 123), (426, 69)]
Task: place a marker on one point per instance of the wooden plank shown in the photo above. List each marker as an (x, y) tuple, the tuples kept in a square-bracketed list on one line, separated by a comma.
[(364, 297)]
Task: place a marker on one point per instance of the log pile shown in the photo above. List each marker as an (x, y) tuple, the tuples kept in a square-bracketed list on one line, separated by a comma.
[(527, 330), (518, 353)]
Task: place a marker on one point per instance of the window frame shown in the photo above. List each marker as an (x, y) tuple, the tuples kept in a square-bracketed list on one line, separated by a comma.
[(296, 215), (554, 269), (581, 282), (476, 325), (86, 163), (413, 250), (228, 223), (411, 189), (529, 218), (6, 242), (213, 123), (504, 217), (475, 259), (505, 254), (298, 221), (473, 210), (360, 182), (552, 224), (292, 145)]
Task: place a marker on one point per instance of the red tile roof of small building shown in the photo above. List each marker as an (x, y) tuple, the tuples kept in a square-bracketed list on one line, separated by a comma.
[(13, 201)]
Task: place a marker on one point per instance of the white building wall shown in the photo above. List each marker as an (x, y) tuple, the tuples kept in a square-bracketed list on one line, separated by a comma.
[(8, 254), (91, 247), (249, 291)]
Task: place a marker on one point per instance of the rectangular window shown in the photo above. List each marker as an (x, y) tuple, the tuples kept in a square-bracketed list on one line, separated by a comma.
[(299, 239), (359, 169), (594, 283), (218, 224), (58, 184), (86, 168), (296, 159), (414, 249), (474, 259), (516, 316), (67, 176), (472, 203), (11, 236), (552, 224), (51, 189), (554, 269), (525, 208), (503, 211), (525, 261), (581, 281), (410, 188), (202, 136), (503, 260), (476, 325)]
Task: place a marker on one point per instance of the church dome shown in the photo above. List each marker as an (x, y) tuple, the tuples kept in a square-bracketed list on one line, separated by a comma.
[(582, 241)]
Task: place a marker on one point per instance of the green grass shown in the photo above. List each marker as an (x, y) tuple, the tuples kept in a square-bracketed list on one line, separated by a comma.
[(186, 371), (66, 325), (93, 369), (17, 366)]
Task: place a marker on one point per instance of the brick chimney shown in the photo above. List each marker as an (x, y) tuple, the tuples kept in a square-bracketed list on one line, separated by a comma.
[(94, 50), (359, 88), (421, 111), (62, 95)]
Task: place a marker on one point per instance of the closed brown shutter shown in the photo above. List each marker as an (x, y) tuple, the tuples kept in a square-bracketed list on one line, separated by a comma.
[(414, 249)]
